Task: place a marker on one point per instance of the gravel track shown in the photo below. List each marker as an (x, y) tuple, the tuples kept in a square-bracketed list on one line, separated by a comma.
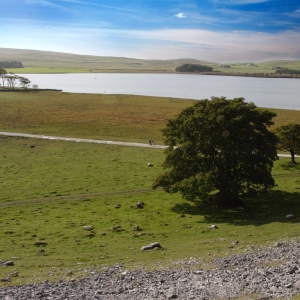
[(59, 138)]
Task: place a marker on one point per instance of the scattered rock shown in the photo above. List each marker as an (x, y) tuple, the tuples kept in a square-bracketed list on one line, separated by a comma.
[(88, 227), (14, 274), (40, 243), (116, 228), (31, 146), (118, 206), (41, 252), (140, 205), (171, 294), (8, 263), (150, 165), (290, 216), (155, 246), (137, 228), (213, 227), (268, 273)]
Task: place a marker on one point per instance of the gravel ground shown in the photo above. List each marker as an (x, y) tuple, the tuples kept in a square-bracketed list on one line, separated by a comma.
[(269, 273)]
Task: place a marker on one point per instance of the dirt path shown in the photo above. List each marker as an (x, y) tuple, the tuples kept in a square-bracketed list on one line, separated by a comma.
[(78, 140)]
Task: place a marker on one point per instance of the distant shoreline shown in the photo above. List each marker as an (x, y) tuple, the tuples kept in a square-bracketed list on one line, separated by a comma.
[(129, 71), (27, 90), (240, 74)]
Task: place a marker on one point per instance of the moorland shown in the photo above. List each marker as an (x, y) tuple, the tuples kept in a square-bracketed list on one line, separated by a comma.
[(39, 62), (52, 189)]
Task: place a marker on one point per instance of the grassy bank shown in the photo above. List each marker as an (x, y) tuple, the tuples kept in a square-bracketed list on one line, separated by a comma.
[(110, 117)]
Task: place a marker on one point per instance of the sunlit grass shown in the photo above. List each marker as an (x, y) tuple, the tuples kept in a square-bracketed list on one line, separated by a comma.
[(111, 117), (50, 191)]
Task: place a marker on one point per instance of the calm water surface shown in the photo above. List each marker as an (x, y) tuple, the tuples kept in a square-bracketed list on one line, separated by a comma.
[(264, 92)]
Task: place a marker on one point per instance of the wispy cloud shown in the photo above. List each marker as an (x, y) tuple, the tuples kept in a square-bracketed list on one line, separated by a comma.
[(240, 2), (180, 15), (158, 44), (44, 3)]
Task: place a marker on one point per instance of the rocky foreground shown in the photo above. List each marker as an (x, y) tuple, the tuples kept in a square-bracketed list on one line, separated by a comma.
[(271, 273)]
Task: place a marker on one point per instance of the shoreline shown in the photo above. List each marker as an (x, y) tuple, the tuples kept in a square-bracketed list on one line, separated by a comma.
[(131, 71)]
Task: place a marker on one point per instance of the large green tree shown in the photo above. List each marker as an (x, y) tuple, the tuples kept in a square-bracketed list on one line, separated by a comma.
[(289, 139), (218, 150)]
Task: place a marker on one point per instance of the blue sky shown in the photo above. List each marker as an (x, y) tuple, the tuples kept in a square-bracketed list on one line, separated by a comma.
[(211, 30)]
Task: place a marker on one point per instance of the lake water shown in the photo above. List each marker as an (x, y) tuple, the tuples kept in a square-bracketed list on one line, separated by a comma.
[(264, 92)]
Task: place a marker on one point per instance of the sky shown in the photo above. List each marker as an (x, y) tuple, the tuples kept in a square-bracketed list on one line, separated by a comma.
[(211, 30)]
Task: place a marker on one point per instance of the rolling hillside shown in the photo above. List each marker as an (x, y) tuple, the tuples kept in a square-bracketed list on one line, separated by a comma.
[(35, 61), (88, 63)]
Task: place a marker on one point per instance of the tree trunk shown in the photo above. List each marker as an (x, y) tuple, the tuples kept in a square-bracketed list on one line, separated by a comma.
[(228, 197), (293, 157)]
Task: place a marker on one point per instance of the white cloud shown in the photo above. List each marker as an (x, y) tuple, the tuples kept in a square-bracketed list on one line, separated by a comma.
[(180, 15), (218, 46), (153, 44)]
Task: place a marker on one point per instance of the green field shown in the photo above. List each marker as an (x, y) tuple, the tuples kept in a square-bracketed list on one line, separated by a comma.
[(51, 189), (100, 116)]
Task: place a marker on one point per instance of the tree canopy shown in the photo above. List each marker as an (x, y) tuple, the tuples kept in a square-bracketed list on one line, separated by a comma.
[(218, 150), (289, 139), (11, 64), (24, 82), (193, 68)]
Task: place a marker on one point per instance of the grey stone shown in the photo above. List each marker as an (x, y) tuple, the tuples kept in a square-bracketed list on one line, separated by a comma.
[(267, 273), (155, 245)]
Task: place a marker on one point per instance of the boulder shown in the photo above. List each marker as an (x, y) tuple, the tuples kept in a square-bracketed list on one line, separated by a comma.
[(155, 245), (213, 227), (140, 205), (88, 227), (290, 216)]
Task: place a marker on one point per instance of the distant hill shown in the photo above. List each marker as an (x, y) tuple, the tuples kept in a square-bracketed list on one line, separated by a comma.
[(35, 61), (47, 59)]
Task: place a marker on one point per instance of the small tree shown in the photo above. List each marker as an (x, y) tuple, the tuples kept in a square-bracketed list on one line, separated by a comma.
[(11, 80), (24, 82), (35, 86), (218, 150), (289, 139), (3, 75)]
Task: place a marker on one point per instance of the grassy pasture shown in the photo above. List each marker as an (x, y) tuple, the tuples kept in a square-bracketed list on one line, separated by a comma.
[(111, 117), (50, 191), (117, 117)]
